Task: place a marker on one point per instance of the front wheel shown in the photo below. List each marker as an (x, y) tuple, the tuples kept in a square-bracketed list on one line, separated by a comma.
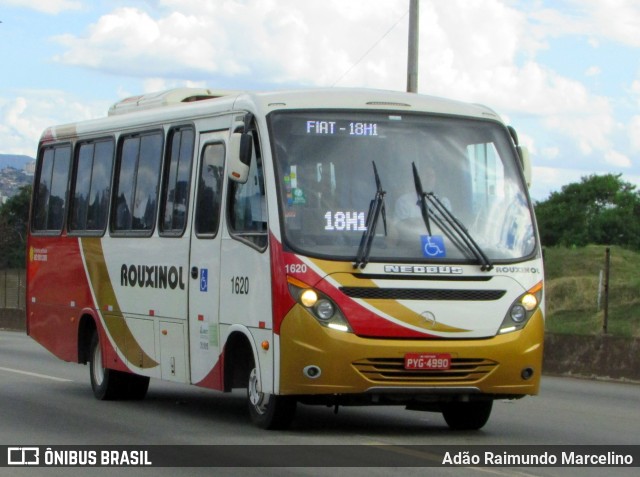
[(268, 411), (467, 416)]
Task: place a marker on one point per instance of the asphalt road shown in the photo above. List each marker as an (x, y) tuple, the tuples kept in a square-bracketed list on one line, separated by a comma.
[(47, 402)]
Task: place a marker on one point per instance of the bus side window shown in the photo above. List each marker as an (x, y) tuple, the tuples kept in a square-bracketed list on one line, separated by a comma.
[(136, 188), (91, 187), (210, 190), (175, 201), (53, 178), (247, 214)]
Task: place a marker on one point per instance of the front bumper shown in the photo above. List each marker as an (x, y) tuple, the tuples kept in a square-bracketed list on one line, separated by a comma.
[(350, 364)]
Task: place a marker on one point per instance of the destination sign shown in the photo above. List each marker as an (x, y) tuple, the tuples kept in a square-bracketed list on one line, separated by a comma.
[(340, 128)]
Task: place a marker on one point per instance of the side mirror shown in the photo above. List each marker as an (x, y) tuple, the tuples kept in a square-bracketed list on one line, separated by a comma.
[(523, 155), (240, 150), (525, 163)]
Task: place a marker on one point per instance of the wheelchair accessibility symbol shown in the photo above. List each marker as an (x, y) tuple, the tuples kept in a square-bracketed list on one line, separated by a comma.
[(204, 279), (433, 246)]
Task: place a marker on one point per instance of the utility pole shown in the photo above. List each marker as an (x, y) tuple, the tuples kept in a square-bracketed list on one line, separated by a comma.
[(412, 60)]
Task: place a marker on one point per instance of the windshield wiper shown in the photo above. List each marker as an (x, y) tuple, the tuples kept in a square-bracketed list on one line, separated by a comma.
[(448, 223), (422, 198), (376, 206)]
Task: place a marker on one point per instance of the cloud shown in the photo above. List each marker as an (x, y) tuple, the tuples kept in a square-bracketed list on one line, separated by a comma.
[(552, 178), (276, 42), (550, 152), (602, 14), (591, 130), (24, 118), (45, 6), (475, 50), (593, 71), (507, 76), (617, 159), (635, 90), (614, 20), (634, 133), (130, 42)]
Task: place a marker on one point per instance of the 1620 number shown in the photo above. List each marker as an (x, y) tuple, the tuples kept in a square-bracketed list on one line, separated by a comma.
[(240, 285)]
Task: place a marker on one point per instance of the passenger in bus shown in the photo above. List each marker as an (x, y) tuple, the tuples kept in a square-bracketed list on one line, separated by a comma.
[(408, 204), (123, 214)]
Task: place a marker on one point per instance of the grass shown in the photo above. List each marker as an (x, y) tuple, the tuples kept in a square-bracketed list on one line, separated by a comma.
[(572, 282)]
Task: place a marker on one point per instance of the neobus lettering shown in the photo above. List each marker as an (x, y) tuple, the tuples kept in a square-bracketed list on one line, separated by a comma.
[(429, 269), (154, 276)]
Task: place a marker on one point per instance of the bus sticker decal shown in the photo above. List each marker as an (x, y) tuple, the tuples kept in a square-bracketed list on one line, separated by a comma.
[(204, 279), (433, 246), (105, 296)]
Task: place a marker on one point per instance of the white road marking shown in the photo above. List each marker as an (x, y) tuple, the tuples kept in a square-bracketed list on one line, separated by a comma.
[(35, 375)]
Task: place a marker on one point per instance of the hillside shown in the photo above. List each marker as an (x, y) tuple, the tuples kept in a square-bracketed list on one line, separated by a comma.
[(14, 160), (572, 282)]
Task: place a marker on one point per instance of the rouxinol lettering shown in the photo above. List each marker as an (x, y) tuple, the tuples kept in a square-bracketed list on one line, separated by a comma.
[(152, 276)]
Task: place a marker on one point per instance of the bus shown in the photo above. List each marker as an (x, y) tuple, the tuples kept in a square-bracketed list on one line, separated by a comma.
[(337, 247)]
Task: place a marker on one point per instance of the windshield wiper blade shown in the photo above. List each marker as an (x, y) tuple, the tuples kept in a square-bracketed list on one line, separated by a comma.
[(448, 223), (376, 207), (422, 198)]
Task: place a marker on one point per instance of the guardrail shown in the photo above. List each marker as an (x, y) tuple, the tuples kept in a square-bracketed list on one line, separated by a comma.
[(12, 289)]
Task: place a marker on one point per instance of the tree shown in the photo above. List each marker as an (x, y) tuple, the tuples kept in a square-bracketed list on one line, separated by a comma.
[(14, 215), (599, 209)]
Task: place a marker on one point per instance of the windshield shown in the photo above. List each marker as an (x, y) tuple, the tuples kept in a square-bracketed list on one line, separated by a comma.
[(327, 186)]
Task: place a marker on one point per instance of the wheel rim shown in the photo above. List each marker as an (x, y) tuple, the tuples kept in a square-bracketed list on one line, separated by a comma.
[(98, 370), (257, 398)]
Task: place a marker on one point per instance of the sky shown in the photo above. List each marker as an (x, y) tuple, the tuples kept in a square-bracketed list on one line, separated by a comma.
[(564, 73)]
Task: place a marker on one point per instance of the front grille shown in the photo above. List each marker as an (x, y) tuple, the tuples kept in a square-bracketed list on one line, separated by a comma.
[(391, 371), (422, 294)]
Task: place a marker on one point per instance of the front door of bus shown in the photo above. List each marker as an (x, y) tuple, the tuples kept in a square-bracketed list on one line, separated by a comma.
[(204, 286)]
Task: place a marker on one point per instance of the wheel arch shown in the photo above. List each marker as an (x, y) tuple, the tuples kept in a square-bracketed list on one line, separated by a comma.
[(86, 328), (240, 355)]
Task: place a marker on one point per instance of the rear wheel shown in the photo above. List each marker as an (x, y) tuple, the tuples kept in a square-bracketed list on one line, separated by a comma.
[(268, 411), (108, 384), (134, 386), (467, 416)]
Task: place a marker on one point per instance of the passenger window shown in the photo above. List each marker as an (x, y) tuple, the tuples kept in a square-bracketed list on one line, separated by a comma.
[(210, 182), (91, 190), (248, 206), (53, 178), (177, 181), (136, 189)]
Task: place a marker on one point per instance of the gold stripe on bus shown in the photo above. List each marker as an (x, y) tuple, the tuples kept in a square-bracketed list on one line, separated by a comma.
[(108, 306), (342, 272)]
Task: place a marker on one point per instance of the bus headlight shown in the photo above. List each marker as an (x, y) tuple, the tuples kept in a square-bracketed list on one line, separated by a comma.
[(529, 302), (521, 310), (518, 313), (319, 305), (324, 309), (308, 297)]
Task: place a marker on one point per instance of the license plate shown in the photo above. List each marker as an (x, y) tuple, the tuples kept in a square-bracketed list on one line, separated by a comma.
[(430, 361)]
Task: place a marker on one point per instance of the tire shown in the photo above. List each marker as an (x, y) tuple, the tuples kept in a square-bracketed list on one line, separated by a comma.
[(467, 416), (268, 411), (134, 386), (108, 384)]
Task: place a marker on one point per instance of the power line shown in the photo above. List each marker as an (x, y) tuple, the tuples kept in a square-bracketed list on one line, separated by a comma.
[(371, 49)]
